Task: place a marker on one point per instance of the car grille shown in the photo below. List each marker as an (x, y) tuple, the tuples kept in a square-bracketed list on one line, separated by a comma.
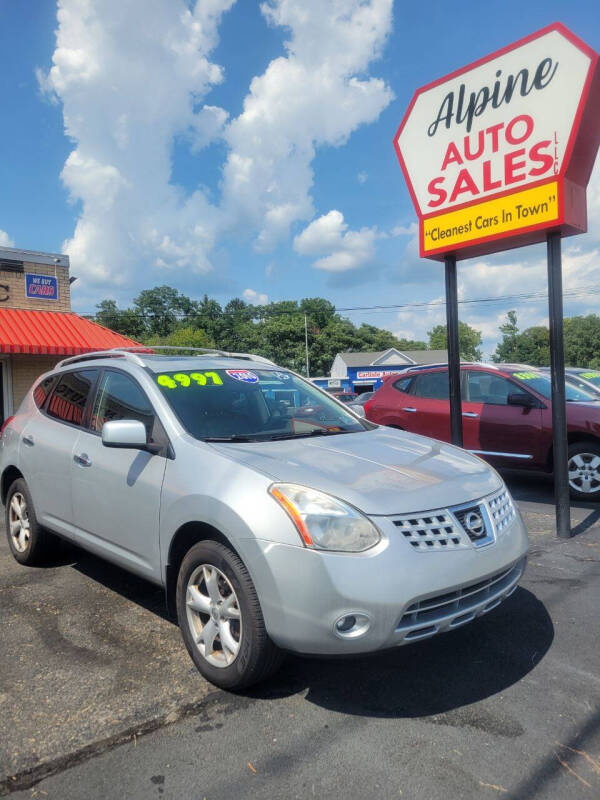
[(448, 529), (502, 510), (425, 617), (434, 531)]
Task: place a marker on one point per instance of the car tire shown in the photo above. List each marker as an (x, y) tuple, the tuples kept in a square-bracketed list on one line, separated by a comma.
[(29, 543), (221, 620), (584, 471)]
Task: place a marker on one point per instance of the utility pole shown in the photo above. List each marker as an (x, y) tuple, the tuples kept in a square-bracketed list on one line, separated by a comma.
[(306, 345)]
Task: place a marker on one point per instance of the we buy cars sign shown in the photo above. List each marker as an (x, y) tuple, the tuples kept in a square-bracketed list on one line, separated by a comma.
[(498, 152)]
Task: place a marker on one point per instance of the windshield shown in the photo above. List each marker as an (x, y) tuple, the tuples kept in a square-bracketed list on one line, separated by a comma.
[(542, 384), (249, 405)]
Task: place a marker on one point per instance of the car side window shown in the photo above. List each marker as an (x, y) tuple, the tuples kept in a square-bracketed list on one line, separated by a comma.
[(43, 389), (432, 385), (70, 396), (120, 397), (483, 387), (403, 385)]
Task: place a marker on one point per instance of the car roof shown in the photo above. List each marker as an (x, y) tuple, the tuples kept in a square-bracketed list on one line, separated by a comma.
[(169, 362), (467, 364)]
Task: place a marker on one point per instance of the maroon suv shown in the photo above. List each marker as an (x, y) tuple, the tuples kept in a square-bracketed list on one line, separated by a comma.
[(507, 417)]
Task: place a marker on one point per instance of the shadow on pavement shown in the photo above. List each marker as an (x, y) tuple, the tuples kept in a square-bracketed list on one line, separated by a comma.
[(138, 590), (441, 675), (444, 674)]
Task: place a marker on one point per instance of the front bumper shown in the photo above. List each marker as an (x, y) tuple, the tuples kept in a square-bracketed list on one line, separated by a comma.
[(406, 595)]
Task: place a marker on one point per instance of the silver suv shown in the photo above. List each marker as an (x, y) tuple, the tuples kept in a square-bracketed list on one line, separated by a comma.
[(274, 517)]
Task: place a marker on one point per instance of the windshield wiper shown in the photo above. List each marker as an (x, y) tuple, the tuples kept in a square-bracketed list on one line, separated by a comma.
[(236, 437), (315, 432)]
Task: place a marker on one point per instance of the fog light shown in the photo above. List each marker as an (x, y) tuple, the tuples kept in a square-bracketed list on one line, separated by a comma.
[(351, 626), (345, 623)]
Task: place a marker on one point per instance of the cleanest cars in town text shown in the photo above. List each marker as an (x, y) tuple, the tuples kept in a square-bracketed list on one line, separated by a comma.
[(275, 518)]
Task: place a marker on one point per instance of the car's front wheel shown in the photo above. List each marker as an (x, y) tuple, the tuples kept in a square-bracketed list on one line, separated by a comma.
[(221, 620), (584, 471), (29, 543)]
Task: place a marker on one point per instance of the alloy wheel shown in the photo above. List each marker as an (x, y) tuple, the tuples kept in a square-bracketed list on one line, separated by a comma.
[(18, 520), (584, 473), (213, 615)]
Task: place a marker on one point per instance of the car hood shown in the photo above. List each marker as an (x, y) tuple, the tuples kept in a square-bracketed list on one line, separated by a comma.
[(381, 471)]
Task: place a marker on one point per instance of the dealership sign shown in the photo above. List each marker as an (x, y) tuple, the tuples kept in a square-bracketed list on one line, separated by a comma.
[(41, 287), (375, 373), (501, 151)]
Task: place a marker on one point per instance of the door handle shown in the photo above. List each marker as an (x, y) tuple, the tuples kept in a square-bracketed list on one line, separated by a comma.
[(28, 440), (412, 410), (469, 414), (83, 460)]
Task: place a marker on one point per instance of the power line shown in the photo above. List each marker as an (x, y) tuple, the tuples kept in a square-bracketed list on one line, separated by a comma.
[(533, 296)]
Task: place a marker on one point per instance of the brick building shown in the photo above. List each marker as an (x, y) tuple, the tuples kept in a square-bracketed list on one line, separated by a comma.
[(37, 326)]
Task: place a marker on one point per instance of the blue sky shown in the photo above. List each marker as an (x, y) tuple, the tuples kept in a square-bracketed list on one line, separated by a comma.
[(246, 150)]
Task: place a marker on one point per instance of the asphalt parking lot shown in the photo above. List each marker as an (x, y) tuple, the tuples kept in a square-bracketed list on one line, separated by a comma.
[(98, 697)]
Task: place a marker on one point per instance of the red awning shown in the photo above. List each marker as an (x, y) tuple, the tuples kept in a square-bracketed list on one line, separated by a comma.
[(54, 333)]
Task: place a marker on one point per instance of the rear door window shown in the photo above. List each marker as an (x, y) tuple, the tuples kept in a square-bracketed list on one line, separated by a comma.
[(403, 385), (432, 385), (43, 389), (70, 396)]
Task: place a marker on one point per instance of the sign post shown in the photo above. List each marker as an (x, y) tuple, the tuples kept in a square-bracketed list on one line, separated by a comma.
[(557, 368), (456, 429), (498, 155)]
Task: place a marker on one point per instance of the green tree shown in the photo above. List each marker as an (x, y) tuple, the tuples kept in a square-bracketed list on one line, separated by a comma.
[(162, 307), (582, 341), (184, 336), (126, 322), (506, 350), (469, 341)]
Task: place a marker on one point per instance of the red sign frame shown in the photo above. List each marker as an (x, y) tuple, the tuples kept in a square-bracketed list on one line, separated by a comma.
[(572, 179)]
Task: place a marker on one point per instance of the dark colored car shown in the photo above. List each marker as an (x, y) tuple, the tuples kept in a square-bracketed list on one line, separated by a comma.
[(507, 417)]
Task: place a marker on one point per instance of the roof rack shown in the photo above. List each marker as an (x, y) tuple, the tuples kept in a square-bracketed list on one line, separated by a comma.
[(134, 353)]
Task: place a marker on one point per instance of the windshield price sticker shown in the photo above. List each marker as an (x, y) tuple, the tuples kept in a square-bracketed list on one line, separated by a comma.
[(186, 379), (526, 376), (590, 374), (243, 375)]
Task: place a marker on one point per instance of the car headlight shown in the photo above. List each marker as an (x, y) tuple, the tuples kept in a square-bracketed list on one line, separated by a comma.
[(323, 521)]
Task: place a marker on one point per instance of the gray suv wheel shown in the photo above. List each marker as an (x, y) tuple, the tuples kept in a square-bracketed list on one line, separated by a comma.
[(220, 618), (29, 543)]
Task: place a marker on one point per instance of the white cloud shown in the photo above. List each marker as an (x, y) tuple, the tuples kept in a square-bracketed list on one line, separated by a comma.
[(317, 94), (255, 298), (340, 249), (131, 77), (362, 177), (5, 240)]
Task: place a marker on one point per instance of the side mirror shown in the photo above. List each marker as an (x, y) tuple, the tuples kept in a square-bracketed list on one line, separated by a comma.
[(523, 399), (127, 433), (358, 410)]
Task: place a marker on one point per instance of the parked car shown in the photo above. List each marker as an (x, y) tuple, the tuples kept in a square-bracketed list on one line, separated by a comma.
[(507, 417), (361, 399), (271, 525), (342, 395), (586, 379)]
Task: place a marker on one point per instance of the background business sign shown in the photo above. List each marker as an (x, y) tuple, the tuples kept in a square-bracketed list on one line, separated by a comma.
[(500, 151), (41, 287)]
